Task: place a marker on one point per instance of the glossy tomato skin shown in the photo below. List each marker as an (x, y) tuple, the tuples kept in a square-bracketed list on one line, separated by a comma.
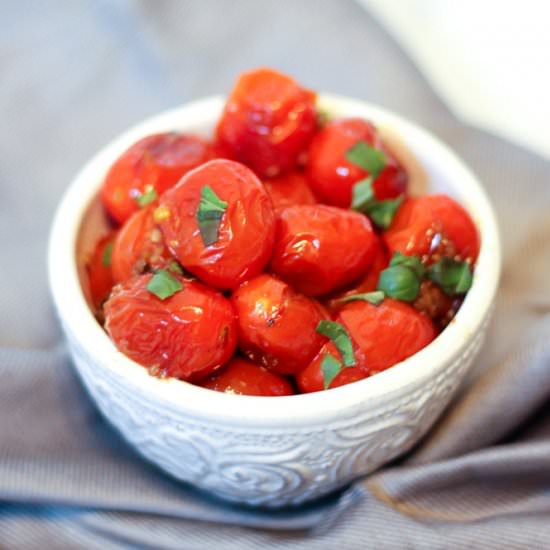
[(382, 336), (332, 176), (158, 161), (187, 336), (277, 325), (242, 377), (310, 379), (268, 122), (246, 231), (289, 189), (320, 248), (433, 225), (139, 245), (100, 277), (368, 283)]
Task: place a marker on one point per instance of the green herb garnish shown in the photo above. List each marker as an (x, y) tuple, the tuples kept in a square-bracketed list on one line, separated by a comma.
[(163, 284), (368, 158), (339, 335), (380, 212), (453, 276), (209, 215), (330, 367), (375, 298), (107, 253), (175, 267), (147, 197), (402, 279)]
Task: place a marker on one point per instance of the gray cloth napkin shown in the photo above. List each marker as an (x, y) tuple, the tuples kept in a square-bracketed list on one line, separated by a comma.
[(74, 75)]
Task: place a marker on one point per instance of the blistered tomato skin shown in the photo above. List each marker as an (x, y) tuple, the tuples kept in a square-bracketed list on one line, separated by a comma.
[(289, 189), (268, 122), (277, 325), (246, 230), (433, 226), (321, 248), (187, 336), (332, 176), (156, 161), (242, 377), (99, 270), (139, 245)]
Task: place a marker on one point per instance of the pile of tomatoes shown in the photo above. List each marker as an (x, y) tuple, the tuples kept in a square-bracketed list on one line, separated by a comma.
[(283, 257)]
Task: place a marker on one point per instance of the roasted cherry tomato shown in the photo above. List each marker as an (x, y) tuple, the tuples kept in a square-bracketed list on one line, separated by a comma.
[(187, 335), (432, 226), (369, 282), (320, 248), (277, 324), (150, 166), (246, 228), (289, 189), (139, 246), (99, 271), (243, 377), (332, 176), (382, 336), (268, 122)]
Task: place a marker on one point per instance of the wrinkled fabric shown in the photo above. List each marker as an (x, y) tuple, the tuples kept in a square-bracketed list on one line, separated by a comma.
[(73, 76)]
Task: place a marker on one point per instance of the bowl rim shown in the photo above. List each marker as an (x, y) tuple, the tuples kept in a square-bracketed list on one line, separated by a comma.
[(77, 317)]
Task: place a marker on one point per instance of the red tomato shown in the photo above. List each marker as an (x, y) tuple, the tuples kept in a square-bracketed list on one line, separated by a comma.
[(187, 336), (139, 245), (382, 336), (433, 225), (332, 177), (242, 377), (310, 379), (289, 189), (246, 230), (277, 324), (100, 276), (320, 248), (369, 281), (158, 162), (268, 122)]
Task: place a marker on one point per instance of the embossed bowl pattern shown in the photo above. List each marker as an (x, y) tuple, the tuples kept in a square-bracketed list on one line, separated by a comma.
[(272, 451)]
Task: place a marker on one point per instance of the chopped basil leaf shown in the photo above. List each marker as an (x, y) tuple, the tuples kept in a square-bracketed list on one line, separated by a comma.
[(163, 284), (399, 282), (375, 298), (330, 367), (148, 197), (107, 253), (370, 159), (175, 267), (209, 214), (453, 276), (339, 335), (382, 212), (412, 262), (362, 194)]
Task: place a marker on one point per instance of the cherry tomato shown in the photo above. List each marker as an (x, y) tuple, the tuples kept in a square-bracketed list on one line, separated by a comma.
[(320, 248), (332, 176), (289, 189), (139, 245), (246, 230), (154, 162), (100, 277), (243, 377), (277, 324), (187, 336), (432, 226), (268, 122), (434, 303), (310, 379), (382, 336)]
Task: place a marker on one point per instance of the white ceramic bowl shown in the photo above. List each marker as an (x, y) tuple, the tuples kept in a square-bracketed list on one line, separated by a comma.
[(285, 450)]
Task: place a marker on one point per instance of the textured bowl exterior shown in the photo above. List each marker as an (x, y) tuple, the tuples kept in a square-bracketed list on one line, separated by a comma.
[(270, 451)]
